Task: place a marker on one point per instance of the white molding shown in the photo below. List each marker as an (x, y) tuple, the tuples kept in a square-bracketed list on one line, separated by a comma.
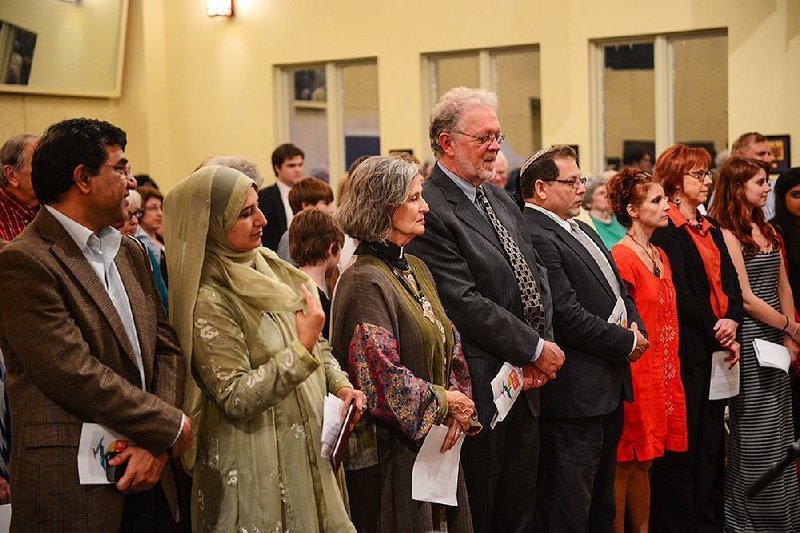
[(597, 132), (664, 92)]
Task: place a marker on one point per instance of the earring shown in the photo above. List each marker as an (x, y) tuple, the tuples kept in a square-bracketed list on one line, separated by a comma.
[(676, 201)]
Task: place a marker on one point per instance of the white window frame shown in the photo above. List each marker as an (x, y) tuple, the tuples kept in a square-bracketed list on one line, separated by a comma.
[(664, 89), (334, 106), (487, 75)]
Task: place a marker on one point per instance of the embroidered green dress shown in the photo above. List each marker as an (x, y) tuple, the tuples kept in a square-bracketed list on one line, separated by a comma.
[(254, 393)]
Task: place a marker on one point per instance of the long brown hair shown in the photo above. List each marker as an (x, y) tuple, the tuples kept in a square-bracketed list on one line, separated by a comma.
[(730, 206)]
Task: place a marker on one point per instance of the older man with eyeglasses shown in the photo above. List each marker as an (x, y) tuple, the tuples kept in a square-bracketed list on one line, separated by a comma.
[(131, 228), (84, 343), (496, 292), (581, 419)]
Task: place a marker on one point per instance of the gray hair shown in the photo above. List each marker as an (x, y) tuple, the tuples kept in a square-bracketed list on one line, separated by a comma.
[(501, 156), (592, 184), (12, 153), (134, 199), (236, 162), (376, 188), (447, 113)]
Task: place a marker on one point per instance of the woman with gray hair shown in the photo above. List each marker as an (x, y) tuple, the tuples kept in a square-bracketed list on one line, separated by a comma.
[(390, 330), (595, 203)]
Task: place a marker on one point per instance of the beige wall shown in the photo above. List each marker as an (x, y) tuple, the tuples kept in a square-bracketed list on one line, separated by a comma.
[(629, 108), (196, 85), (701, 91), (33, 113), (76, 44)]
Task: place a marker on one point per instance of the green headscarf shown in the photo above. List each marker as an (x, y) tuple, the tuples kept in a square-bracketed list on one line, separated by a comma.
[(198, 215)]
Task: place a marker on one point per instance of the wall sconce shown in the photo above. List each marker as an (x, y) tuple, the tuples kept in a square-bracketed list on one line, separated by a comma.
[(220, 8)]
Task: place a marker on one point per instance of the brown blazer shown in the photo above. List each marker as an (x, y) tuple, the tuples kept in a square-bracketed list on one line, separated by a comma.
[(69, 361)]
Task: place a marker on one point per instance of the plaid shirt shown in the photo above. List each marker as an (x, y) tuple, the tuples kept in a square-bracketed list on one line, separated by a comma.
[(14, 215)]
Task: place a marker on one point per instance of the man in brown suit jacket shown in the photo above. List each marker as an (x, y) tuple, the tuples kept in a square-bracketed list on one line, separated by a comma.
[(85, 340)]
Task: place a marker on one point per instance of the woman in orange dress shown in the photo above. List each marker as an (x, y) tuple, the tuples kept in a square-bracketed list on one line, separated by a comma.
[(656, 420)]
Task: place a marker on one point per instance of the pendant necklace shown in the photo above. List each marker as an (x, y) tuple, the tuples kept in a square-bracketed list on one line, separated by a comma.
[(408, 280), (650, 253)]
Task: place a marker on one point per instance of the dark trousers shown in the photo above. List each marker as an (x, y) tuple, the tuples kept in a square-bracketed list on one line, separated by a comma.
[(578, 460), (500, 467), (146, 512), (687, 489)]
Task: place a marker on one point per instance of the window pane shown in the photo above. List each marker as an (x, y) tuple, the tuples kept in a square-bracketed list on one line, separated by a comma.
[(308, 117), (701, 91), (455, 71), (628, 99), (360, 111), (516, 82)]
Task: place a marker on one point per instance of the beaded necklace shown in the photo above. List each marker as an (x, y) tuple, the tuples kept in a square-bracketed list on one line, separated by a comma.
[(407, 279), (650, 253)]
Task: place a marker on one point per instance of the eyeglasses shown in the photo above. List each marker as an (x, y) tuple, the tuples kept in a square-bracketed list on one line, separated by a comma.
[(124, 171), (138, 213), (701, 176), (489, 138), (574, 183)]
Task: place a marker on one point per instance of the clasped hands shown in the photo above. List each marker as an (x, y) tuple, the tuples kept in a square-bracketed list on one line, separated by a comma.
[(642, 344), (460, 410), (549, 362), (725, 333), (144, 469)]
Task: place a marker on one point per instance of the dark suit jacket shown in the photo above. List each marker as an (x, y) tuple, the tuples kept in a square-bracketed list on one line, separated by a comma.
[(70, 361), (696, 318), (270, 203), (596, 373), (477, 285)]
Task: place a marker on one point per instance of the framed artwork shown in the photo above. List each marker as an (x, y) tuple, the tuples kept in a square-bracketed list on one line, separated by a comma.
[(780, 146), (309, 85), (577, 152)]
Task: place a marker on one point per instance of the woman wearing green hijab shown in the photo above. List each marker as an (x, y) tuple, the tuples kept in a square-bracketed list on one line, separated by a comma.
[(257, 369)]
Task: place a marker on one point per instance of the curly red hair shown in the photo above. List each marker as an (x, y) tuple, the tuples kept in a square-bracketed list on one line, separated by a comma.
[(628, 187)]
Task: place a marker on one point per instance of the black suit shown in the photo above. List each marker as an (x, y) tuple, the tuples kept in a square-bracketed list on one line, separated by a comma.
[(270, 203), (687, 488), (480, 293), (581, 419)]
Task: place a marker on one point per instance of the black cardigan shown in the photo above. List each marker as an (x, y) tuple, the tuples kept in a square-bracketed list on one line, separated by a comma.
[(696, 317)]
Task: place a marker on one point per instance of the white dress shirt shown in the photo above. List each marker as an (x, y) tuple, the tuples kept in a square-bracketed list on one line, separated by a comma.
[(284, 190), (100, 251)]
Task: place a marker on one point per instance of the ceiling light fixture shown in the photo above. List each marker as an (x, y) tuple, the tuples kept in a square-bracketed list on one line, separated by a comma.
[(220, 8)]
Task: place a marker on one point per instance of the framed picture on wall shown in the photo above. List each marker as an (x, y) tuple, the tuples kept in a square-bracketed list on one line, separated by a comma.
[(780, 146), (309, 85)]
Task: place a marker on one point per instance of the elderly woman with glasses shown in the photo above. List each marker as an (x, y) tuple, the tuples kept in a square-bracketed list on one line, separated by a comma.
[(131, 228), (390, 330), (686, 488), (602, 217)]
